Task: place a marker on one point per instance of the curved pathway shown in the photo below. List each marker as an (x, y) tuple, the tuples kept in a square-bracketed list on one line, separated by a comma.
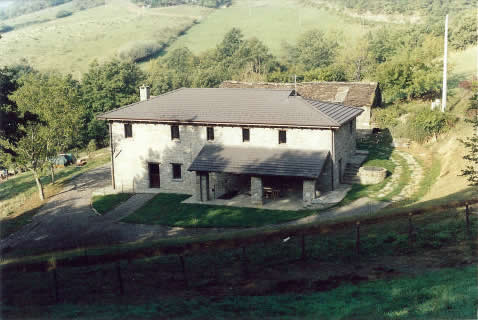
[(416, 176)]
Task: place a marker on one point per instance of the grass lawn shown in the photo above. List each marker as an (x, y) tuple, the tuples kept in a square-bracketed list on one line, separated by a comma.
[(105, 203), (167, 209)]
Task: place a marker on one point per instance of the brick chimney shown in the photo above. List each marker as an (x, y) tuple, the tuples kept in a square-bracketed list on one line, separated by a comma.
[(144, 93)]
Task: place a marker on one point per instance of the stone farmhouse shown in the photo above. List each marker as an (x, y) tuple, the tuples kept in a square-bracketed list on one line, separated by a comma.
[(364, 95), (219, 142)]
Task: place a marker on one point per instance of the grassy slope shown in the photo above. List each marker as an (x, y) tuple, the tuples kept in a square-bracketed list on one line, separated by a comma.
[(71, 43), (417, 291), (271, 21), (167, 209), (19, 195)]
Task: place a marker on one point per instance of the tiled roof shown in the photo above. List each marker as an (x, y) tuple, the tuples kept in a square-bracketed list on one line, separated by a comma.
[(260, 161), (234, 106), (355, 94)]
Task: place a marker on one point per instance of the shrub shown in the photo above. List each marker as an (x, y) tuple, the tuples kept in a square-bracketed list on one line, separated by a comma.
[(5, 28), (425, 124), (63, 14), (139, 50), (92, 146), (387, 117)]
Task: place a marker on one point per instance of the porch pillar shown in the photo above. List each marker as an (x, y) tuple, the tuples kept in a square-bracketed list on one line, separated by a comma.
[(197, 187), (205, 186), (257, 190), (308, 191)]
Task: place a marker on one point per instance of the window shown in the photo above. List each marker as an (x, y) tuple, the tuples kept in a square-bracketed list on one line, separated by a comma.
[(351, 127), (246, 135), (282, 136), (210, 133), (128, 130), (174, 132), (176, 170)]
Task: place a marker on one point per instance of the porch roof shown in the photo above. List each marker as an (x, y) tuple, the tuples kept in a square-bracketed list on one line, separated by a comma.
[(260, 161)]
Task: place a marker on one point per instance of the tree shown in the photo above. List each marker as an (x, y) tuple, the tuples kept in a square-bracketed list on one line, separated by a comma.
[(471, 144), (104, 88), (314, 49), (10, 117), (54, 100)]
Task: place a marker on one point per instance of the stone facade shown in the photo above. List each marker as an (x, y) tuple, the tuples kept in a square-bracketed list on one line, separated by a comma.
[(257, 190), (151, 143), (308, 191)]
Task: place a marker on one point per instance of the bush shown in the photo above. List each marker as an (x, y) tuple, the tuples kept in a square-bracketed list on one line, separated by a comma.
[(63, 14), (424, 125), (92, 146), (387, 117), (5, 28), (139, 50)]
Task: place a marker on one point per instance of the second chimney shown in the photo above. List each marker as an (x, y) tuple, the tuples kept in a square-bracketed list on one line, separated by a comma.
[(144, 93)]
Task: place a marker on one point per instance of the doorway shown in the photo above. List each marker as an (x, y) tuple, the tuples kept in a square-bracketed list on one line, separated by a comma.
[(154, 179)]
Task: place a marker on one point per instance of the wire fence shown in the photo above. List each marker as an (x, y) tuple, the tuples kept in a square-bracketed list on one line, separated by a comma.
[(198, 264)]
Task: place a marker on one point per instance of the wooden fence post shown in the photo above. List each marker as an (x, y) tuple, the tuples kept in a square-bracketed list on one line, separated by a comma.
[(245, 267), (183, 268), (303, 247), (467, 214), (55, 283), (357, 239), (410, 229), (120, 279)]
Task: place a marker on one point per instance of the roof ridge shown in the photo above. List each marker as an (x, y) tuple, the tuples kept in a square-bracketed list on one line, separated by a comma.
[(137, 102), (374, 83), (334, 103), (305, 102)]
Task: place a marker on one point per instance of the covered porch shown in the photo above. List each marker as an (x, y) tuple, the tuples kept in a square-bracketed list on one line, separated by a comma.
[(281, 179)]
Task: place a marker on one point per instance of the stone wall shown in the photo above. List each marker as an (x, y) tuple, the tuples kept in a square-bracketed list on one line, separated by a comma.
[(345, 145), (152, 143)]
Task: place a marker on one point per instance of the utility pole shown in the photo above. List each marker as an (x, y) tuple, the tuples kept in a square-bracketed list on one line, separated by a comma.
[(445, 57)]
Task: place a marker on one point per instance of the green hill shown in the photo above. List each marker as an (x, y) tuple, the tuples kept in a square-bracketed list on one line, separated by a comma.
[(271, 21), (69, 44)]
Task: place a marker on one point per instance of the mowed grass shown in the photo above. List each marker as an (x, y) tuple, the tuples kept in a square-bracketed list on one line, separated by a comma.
[(106, 203), (167, 209), (70, 44), (271, 21)]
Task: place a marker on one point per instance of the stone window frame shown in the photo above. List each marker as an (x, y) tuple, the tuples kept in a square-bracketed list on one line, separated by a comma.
[(248, 130), (284, 140), (128, 130), (175, 136), (210, 133), (179, 166)]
